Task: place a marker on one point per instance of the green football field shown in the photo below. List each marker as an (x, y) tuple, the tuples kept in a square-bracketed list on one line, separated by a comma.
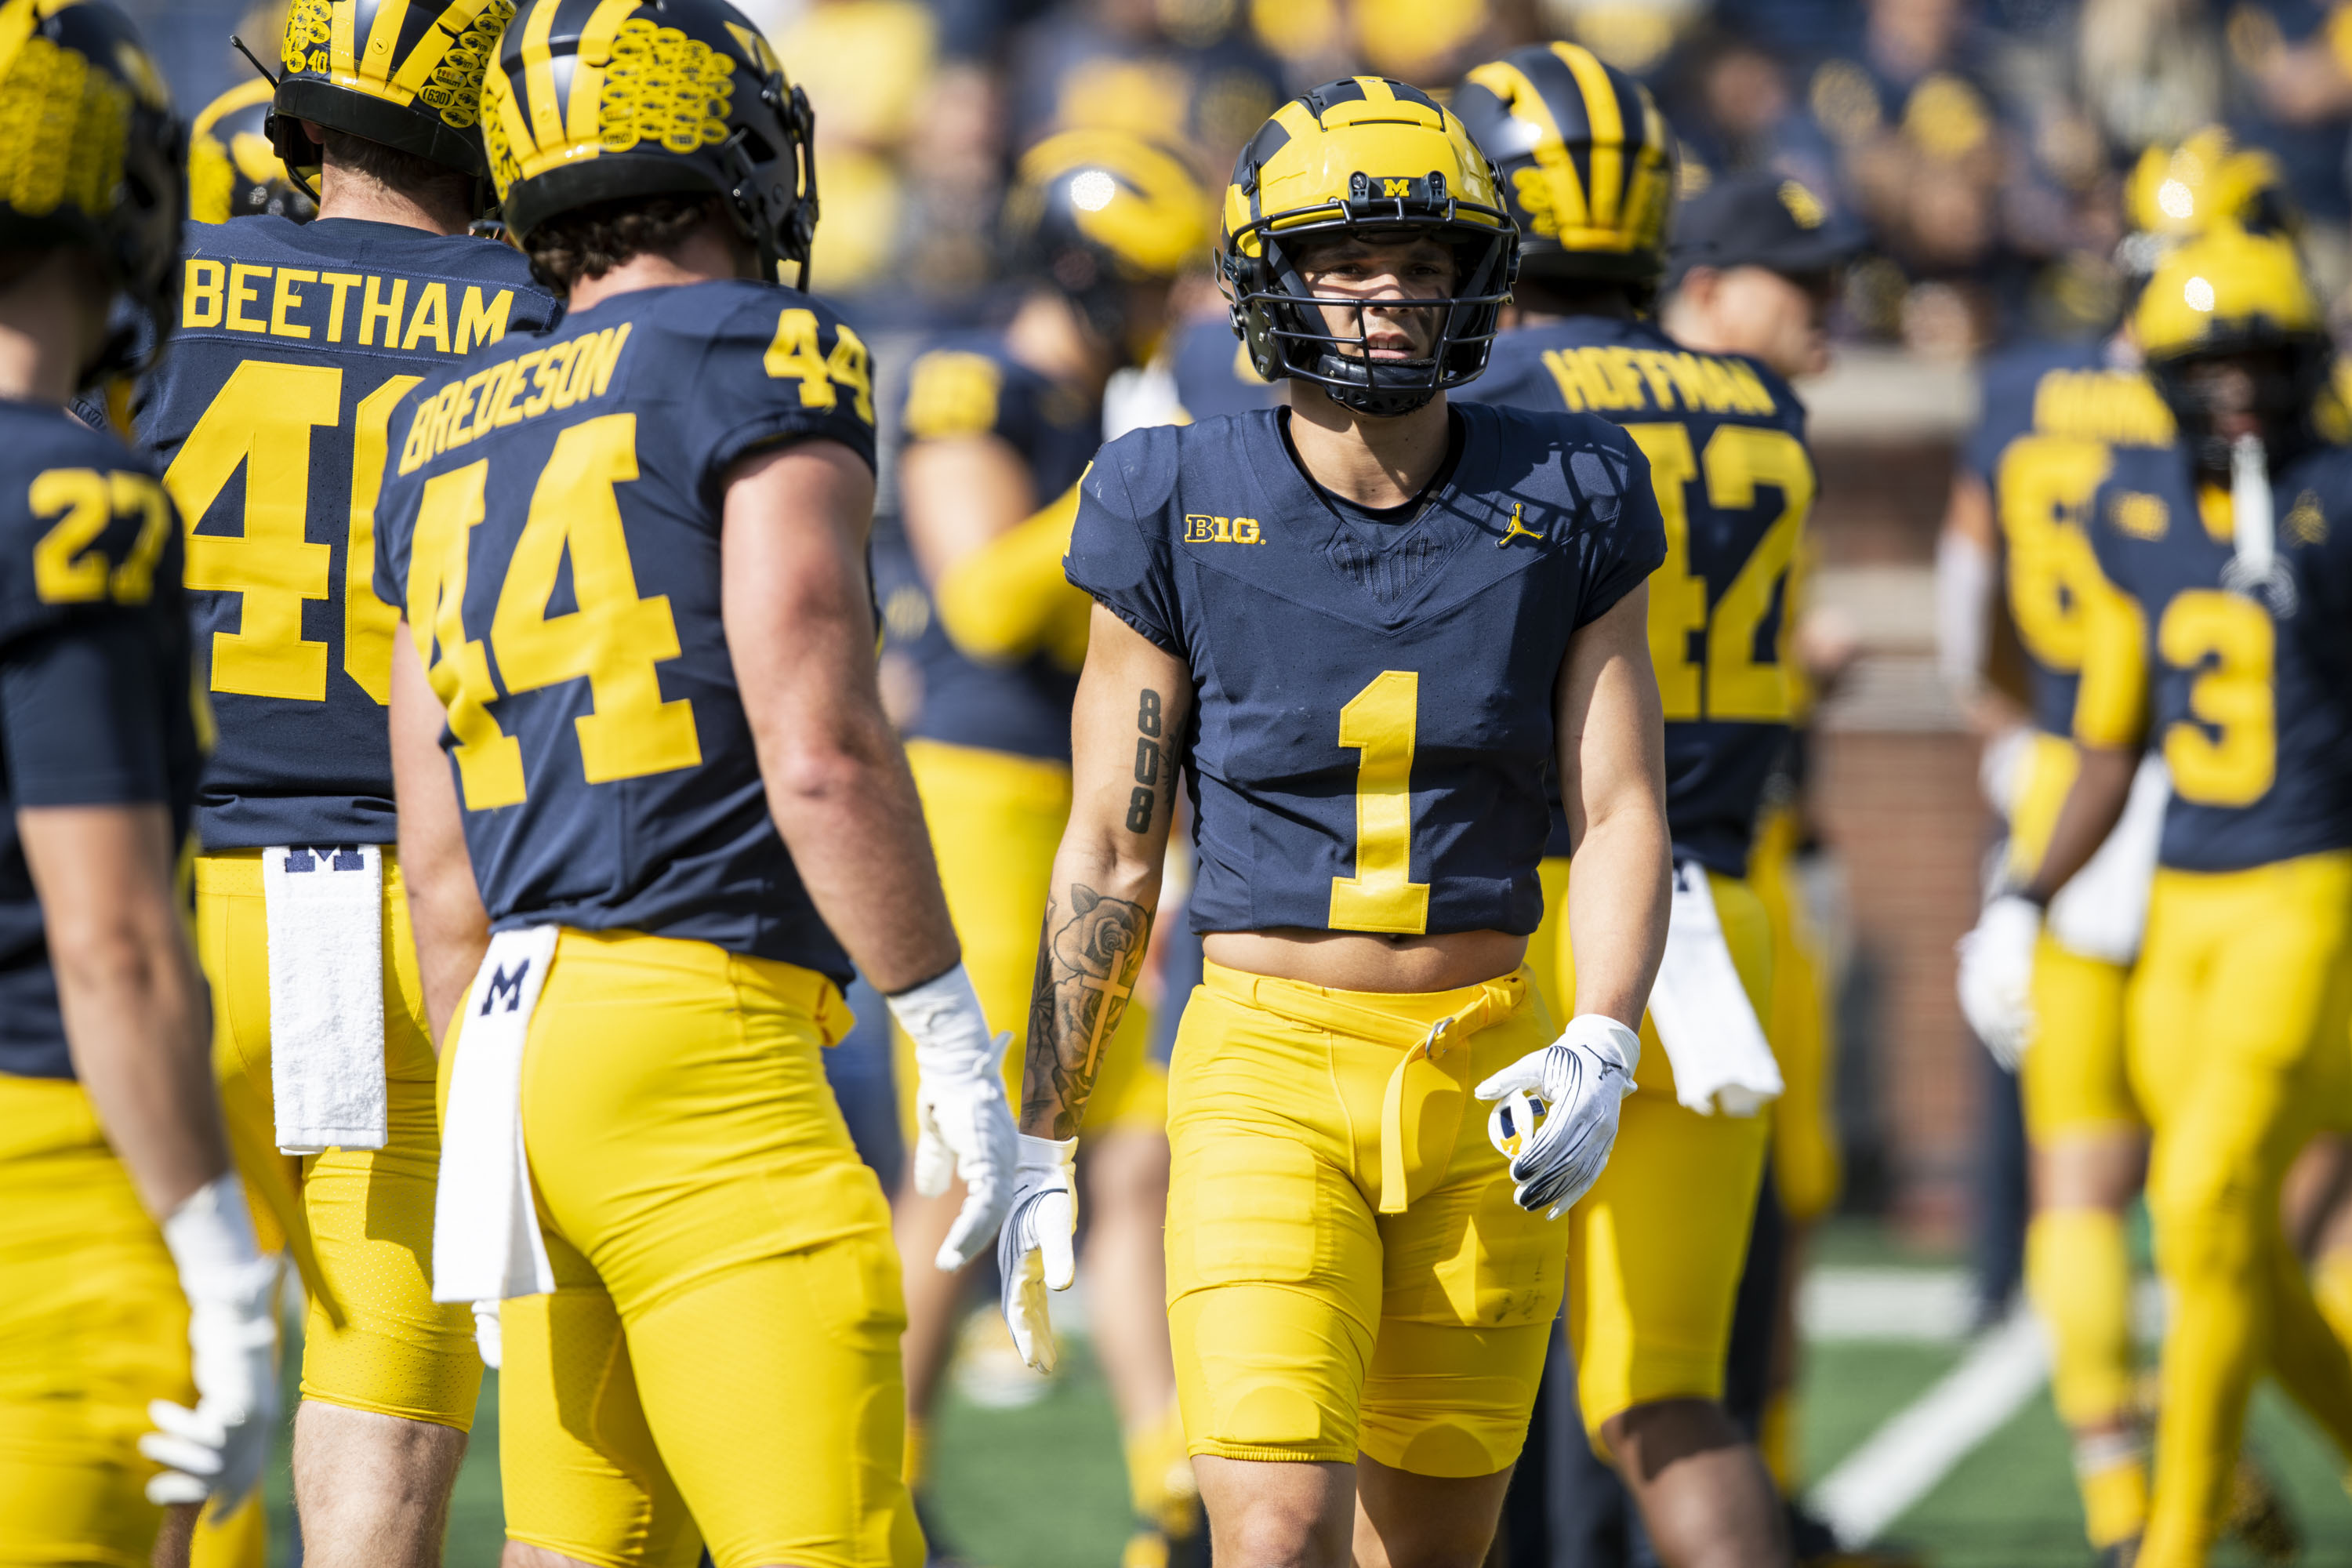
[(1044, 1487)]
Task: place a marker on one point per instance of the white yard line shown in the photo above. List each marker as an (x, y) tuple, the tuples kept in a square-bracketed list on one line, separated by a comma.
[(1902, 1461)]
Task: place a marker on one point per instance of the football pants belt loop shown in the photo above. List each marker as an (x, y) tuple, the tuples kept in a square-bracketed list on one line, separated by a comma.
[(486, 1240), (1496, 1000), (1704, 1016), (324, 910)]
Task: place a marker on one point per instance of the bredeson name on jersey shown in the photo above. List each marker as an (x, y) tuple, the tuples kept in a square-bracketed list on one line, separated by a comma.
[(311, 304)]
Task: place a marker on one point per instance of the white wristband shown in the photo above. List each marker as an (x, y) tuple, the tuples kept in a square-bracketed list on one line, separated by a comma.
[(211, 1238), (944, 1019)]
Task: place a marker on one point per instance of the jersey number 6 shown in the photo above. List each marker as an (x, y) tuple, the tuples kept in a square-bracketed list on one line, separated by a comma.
[(615, 640)]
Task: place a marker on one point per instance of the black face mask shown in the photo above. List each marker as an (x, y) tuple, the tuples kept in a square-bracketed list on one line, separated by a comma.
[(2287, 378)]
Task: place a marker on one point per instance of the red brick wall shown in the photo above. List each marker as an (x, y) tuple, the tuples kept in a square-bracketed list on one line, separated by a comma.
[(1896, 791)]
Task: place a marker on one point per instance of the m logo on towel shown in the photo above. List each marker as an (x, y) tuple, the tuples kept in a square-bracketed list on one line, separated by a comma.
[(299, 859), (507, 985)]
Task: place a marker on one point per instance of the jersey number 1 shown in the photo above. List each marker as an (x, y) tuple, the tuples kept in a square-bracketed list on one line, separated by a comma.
[(1380, 723)]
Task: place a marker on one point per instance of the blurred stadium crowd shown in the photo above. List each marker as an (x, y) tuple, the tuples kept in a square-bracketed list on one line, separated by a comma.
[(1985, 144)]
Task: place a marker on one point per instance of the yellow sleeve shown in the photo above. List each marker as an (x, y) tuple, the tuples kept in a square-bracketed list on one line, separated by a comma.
[(2111, 705), (1009, 599)]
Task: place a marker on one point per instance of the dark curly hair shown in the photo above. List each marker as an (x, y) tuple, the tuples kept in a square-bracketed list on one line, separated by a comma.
[(590, 241)]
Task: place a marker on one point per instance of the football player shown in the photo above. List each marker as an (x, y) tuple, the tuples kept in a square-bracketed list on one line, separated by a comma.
[(2215, 636), (1372, 625), (1754, 268), (631, 558), (2015, 528), (125, 1242), (1660, 1242), (997, 429), (270, 415)]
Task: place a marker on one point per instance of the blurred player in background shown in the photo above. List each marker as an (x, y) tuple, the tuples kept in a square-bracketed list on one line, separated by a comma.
[(125, 1242), (1661, 1240), (1756, 265), (2215, 633), (234, 169), (1372, 623), (680, 806), (2015, 531), (998, 425), (271, 415)]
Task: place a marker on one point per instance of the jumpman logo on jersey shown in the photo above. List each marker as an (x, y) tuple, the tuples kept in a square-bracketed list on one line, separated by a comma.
[(1518, 529)]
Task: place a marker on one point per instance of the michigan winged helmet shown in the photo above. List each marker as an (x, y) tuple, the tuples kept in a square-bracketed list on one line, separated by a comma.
[(1363, 156), (1587, 162), (407, 73), (599, 100), (2229, 293), (1100, 212), (234, 169), (90, 156)]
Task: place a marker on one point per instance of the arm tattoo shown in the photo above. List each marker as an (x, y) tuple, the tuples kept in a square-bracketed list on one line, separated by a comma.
[(1087, 963), (1087, 970), (1143, 801)]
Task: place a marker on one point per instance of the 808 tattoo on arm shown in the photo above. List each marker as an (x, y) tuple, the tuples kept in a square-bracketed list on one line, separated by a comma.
[(1088, 958)]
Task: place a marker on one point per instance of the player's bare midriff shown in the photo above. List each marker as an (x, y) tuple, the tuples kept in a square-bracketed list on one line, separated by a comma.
[(1358, 961)]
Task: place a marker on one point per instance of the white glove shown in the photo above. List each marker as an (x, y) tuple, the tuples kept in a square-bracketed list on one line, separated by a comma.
[(1996, 979), (963, 1122), (216, 1449), (1558, 1118), (489, 1338), (1034, 1250)]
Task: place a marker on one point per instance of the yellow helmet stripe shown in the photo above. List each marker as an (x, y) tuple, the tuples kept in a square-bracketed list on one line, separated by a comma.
[(1509, 83), (438, 40), (342, 47), (538, 76), (498, 99), (588, 74), (1608, 131), (376, 60)]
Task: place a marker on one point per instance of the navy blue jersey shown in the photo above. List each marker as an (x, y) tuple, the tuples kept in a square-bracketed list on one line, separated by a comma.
[(1726, 441), (268, 414), (970, 386), (2051, 412), (1372, 737), (2253, 712), (551, 527), (1213, 371), (97, 690)]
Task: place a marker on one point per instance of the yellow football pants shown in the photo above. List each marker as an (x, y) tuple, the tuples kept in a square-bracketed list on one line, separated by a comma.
[(2237, 1012), (1347, 1270), (92, 1326), (720, 1360), (359, 1222), (1657, 1247), (1807, 1164), (996, 821)]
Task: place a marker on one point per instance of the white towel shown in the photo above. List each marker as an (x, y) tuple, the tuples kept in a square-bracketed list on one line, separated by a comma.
[(1721, 1059), (324, 911), (2103, 907), (486, 1240)]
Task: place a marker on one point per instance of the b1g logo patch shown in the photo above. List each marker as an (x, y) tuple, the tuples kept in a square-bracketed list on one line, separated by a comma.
[(1199, 529)]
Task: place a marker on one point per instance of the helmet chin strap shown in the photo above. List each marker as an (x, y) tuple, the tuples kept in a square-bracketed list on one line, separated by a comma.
[(2255, 568)]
